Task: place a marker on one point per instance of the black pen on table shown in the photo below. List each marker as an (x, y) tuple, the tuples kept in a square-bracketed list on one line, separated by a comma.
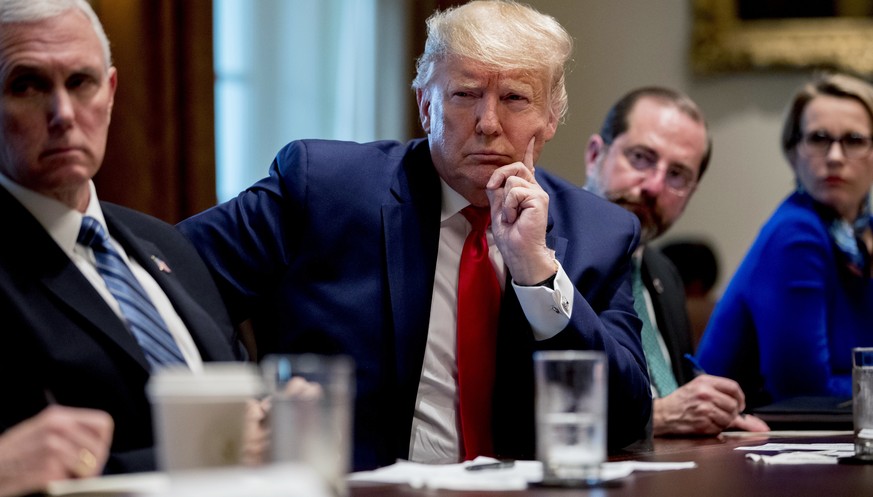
[(490, 465)]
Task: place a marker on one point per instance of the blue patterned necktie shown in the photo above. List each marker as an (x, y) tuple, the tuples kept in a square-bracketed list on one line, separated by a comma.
[(142, 318), (662, 375)]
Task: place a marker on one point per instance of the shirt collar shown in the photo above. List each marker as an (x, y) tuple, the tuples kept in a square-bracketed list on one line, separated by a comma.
[(452, 203), (61, 222), (637, 256)]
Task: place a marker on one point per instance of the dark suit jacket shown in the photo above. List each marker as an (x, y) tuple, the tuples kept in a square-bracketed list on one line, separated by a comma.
[(336, 250), (62, 340), (668, 298)]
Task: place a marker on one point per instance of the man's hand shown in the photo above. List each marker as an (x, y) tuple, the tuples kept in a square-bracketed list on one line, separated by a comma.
[(56, 444), (256, 434), (704, 406), (519, 214), (747, 422)]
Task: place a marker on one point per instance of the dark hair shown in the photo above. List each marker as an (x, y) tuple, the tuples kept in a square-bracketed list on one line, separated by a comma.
[(616, 121)]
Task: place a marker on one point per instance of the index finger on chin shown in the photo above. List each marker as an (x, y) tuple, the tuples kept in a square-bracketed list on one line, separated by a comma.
[(529, 154)]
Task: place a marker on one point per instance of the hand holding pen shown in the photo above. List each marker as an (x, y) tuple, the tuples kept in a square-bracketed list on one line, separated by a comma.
[(742, 422), (58, 443), (696, 368)]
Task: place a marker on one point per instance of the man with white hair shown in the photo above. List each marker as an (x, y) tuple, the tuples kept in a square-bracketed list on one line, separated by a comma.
[(94, 296), (440, 265)]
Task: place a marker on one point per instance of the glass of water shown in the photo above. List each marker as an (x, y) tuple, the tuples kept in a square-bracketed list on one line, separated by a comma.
[(862, 401), (311, 413), (571, 415)]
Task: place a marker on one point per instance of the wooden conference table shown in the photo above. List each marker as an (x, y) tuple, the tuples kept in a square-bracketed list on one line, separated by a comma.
[(721, 472)]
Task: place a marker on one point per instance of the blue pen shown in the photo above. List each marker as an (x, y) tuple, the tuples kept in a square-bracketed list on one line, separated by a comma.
[(698, 370), (695, 366)]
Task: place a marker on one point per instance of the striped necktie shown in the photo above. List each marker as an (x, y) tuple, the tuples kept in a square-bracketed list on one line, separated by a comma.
[(661, 374), (141, 316)]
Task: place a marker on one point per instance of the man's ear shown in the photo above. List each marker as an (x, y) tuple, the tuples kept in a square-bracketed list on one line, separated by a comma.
[(551, 127), (113, 84), (423, 102), (595, 149)]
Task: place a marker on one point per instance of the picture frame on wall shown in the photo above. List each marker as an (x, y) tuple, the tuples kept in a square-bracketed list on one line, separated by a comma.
[(746, 35)]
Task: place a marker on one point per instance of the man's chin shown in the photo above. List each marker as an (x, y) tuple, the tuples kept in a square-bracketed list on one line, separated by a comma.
[(650, 231), (647, 235), (649, 228)]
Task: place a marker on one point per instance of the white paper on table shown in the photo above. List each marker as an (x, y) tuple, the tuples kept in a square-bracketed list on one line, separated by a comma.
[(815, 453), (133, 483), (778, 447), (786, 433), (803, 457), (455, 476), (279, 480), (517, 477), (651, 465)]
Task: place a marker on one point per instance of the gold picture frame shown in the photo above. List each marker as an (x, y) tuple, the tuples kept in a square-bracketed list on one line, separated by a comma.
[(721, 42)]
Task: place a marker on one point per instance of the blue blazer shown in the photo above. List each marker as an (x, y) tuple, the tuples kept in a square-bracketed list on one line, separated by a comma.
[(788, 320), (61, 339), (335, 252)]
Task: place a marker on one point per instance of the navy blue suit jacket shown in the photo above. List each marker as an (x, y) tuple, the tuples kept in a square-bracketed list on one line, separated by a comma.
[(335, 252), (62, 341)]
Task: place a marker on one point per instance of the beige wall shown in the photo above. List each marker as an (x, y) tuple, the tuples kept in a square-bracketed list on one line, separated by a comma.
[(623, 44)]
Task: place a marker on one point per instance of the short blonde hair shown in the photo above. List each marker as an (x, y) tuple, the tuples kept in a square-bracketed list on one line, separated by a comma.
[(502, 34), (832, 84)]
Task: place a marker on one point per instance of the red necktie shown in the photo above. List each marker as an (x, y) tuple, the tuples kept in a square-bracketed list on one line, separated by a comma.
[(478, 312)]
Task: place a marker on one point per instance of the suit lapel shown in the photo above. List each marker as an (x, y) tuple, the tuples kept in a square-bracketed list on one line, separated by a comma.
[(670, 311), (71, 287), (204, 331), (41, 257), (410, 221)]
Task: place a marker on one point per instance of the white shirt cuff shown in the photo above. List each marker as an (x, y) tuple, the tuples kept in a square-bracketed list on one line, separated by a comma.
[(547, 309)]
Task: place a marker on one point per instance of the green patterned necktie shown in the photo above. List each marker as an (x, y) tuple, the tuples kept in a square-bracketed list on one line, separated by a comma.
[(659, 371)]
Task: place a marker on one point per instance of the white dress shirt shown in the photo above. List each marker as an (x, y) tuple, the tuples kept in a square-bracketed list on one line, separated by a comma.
[(63, 224), (435, 436)]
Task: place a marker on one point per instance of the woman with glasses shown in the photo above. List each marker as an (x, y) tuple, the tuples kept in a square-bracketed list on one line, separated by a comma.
[(803, 296)]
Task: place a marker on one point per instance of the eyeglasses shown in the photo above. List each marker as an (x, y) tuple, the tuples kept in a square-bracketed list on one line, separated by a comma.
[(853, 145), (679, 179)]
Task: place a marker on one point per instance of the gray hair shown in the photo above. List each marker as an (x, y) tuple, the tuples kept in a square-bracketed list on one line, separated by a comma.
[(18, 11), (502, 34)]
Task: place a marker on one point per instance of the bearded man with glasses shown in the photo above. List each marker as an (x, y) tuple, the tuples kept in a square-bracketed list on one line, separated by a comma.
[(650, 154)]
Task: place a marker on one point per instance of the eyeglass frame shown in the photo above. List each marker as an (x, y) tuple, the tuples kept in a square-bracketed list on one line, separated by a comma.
[(816, 150), (652, 166)]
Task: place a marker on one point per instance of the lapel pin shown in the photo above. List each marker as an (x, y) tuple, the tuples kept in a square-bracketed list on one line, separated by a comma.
[(162, 266)]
